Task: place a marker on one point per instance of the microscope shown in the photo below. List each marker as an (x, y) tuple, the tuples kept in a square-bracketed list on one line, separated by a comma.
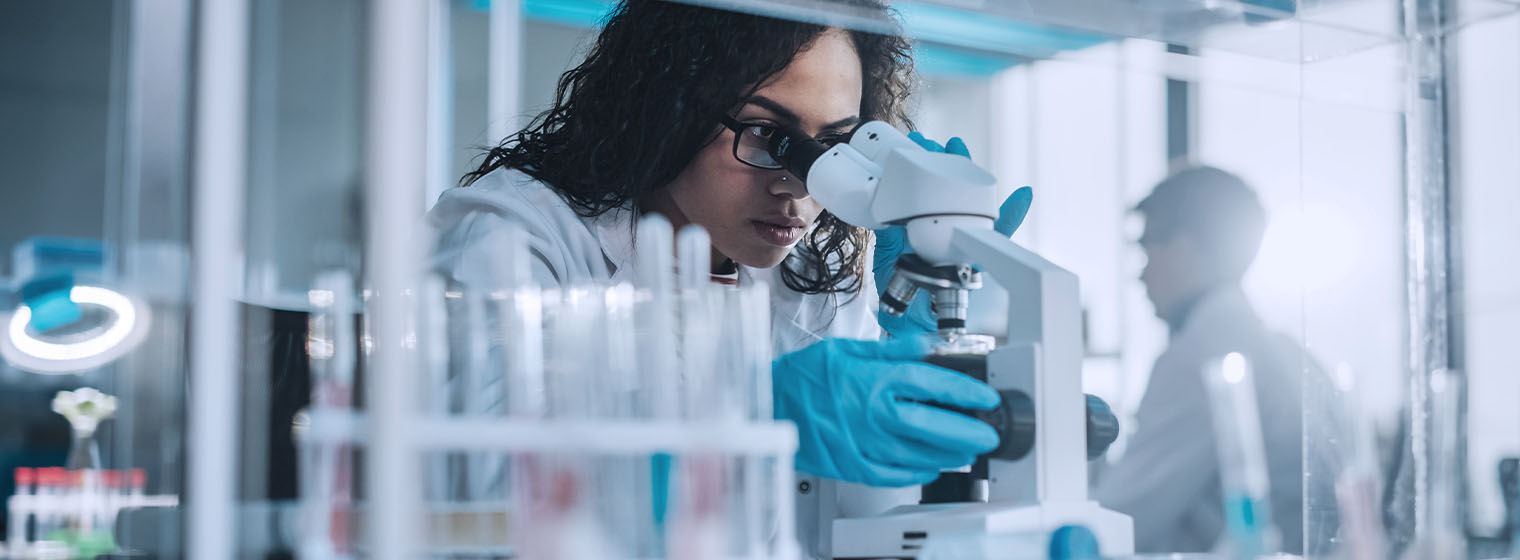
[(1035, 482)]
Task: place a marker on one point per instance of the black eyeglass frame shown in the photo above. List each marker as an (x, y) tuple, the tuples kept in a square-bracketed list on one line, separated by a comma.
[(827, 139)]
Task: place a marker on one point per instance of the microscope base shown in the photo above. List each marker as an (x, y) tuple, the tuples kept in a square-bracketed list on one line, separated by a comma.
[(903, 531)]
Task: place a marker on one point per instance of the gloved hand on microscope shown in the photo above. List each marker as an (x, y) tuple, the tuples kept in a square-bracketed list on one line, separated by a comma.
[(873, 412)]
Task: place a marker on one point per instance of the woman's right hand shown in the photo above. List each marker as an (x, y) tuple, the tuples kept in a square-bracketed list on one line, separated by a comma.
[(863, 414)]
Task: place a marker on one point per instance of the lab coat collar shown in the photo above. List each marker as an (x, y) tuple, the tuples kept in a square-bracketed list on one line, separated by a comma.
[(1223, 308), (614, 232)]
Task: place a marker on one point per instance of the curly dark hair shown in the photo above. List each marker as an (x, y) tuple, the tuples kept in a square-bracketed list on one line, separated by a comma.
[(675, 68)]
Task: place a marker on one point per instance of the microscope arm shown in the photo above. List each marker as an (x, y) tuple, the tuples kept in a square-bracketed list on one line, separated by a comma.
[(1041, 355)]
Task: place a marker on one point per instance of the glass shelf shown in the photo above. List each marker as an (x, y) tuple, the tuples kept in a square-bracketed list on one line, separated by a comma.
[(1286, 30)]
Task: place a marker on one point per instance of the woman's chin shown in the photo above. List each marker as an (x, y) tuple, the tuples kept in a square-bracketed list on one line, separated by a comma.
[(762, 257)]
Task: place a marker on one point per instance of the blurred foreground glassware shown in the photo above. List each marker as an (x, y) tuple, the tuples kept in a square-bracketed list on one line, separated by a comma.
[(1249, 530)]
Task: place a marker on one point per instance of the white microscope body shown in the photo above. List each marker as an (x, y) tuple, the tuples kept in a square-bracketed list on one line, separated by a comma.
[(948, 204)]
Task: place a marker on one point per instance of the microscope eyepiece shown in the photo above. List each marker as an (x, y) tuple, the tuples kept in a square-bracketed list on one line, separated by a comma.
[(797, 151)]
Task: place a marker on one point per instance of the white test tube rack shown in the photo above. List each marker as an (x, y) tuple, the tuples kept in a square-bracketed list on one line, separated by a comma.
[(765, 441), (22, 508)]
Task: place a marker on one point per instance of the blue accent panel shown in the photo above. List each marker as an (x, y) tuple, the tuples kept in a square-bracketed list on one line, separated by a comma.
[(1272, 10), (43, 255), (926, 23), (586, 14), (960, 28), (935, 60)]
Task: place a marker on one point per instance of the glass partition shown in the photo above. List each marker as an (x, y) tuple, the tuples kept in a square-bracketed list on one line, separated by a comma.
[(1378, 136)]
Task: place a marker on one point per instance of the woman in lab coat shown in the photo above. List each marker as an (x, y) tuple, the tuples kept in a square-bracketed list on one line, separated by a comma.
[(670, 113)]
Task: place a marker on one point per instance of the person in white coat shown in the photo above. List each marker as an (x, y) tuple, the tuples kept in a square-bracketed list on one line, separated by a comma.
[(1203, 228), (670, 113)]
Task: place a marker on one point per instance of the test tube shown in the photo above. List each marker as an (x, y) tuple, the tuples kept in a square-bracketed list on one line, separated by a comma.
[(711, 393), (454, 341), (699, 332), (537, 486), (520, 306), (694, 253), (330, 339), (749, 309), (569, 318), (137, 483), (657, 329), (326, 475), (556, 491), (658, 360), (50, 481), (704, 377), (1357, 487), (75, 501), (698, 531), (1242, 458), (623, 481), (617, 363), (92, 496), (20, 512), (111, 498)]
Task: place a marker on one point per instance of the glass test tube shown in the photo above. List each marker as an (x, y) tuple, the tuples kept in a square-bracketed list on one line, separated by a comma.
[(20, 512), (1357, 487), (698, 330), (326, 477), (623, 481), (1242, 458), (740, 373), (659, 368), (657, 329)]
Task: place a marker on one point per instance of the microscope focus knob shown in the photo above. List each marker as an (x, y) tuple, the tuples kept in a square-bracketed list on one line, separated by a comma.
[(1102, 427)]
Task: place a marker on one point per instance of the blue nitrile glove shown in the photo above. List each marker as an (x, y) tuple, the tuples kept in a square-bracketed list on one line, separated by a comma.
[(860, 412), (892, 242)]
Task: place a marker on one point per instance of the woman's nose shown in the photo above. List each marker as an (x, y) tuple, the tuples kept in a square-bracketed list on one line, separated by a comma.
[(788, 186)]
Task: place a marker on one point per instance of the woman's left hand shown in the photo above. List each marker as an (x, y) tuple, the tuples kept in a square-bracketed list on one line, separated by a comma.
[(892, 242)]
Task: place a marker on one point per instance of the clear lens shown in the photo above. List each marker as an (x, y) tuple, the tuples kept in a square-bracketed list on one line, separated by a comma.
[(753, 146)]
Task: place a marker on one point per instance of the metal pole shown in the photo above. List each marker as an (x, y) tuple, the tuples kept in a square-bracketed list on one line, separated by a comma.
[(440, 101), (503, 89), (1426, 238), (396, 158), (220, 170)]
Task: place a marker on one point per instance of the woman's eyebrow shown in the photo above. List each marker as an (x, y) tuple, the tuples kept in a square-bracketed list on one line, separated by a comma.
[(791, 118), (842, 123)]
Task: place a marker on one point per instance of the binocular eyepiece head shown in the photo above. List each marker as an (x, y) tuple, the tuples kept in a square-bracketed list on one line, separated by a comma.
[(797, 151)]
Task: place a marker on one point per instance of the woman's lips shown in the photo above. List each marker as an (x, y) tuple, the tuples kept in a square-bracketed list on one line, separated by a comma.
[(778, 234)]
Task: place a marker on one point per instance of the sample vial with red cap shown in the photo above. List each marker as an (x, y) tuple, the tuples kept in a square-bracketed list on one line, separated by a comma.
[(137, 480), (19, 512), (48, 501)]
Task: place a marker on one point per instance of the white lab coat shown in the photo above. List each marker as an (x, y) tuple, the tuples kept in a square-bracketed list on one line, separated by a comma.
[(571, 249), (1168, 478)]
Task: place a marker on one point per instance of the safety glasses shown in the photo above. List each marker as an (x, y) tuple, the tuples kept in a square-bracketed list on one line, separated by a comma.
[(753, 141)]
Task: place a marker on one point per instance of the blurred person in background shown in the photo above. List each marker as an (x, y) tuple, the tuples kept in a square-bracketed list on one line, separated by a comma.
[(1203, 228)]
